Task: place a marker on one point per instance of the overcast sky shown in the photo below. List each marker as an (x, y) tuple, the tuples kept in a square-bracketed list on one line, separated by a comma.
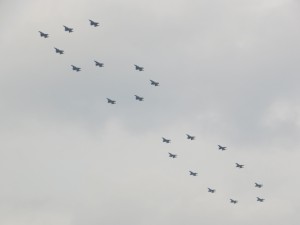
[(228, 74)]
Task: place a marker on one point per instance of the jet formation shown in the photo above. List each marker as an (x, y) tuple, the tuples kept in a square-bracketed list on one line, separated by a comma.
[(139, 98)]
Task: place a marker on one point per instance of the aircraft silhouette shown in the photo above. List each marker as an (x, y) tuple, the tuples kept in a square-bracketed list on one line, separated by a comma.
[(260, 199), (166, 140), (43, 34), (93, 23), (190, 137), (139, 68), (111, 101), (77, 69), (98, 64), (222, 148), (211, 190), (239, 165), (233, 201), (59, 51), (172, 155), (193, 173), (258, 185), (154, 83), (68, 29), (139, 98)]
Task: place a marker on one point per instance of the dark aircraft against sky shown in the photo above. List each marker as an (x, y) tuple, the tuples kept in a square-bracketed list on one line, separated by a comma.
[(98, 63), (111, 101), (77, 69), (172, 155), (93, 23), (154, 83), (166, 140), (190, 137), (193, 173), (222, 148), (211, 190), (260, 199), (139, 68), (239, 165), (59, 51), (233, 201), (139, 98), (43, 34), (258, 185), (68, 29)]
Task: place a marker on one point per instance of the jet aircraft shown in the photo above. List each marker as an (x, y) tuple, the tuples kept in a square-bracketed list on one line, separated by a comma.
[(239, 165), (59, 51), (77, 69), (260, 199), (166, 140), (172, 155), (233, 201), (139, 68), (258, 185), (43, 34), (154, 83), (190, 137), (193, 173), (111, 101), (93, 23), (139, 98), (222, 148), (211, 190), (98, 63), (68, 29)]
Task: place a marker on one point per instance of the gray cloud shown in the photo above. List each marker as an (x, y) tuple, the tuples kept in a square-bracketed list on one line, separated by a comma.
[(228, 74)]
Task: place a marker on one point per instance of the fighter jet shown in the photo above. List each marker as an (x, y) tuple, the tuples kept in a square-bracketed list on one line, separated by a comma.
[(68, 29), (43, 34), (111, 101), (77, 69), (172, 155), (139, 68), (211, 190), (260, 199), (258, 185), (59, 51), (222, 148), (193, 173), (93, 23), (166, 140), (154, 83), (239, 165), (98, 64), (233, 201), (139, 98), (190, 137)]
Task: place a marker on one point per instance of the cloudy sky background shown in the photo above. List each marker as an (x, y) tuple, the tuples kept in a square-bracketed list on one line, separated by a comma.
[(228, 73)]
